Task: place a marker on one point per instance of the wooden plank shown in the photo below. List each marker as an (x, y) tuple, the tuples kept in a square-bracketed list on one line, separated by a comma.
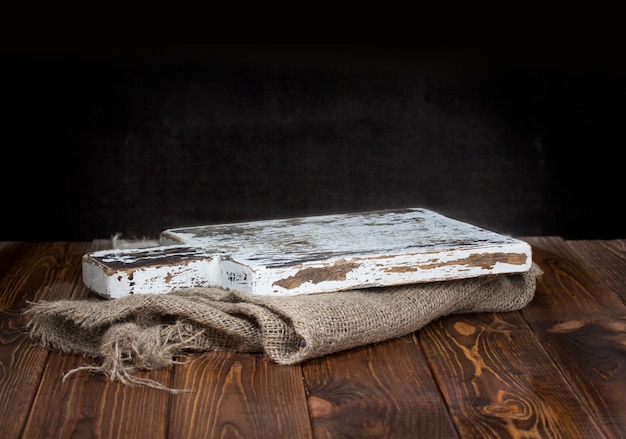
[(118, 273), (582, 325), (499, 382), (607, 259), (10, 254), (88, 405), (30, 272), (381, 390), (308, 255), (33, 268), (238, 395)]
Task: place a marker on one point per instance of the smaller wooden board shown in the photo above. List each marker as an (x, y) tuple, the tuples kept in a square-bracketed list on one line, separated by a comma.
[(309, 255)]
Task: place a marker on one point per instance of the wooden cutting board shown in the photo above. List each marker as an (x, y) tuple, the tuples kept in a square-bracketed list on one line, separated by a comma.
[(309, 255)]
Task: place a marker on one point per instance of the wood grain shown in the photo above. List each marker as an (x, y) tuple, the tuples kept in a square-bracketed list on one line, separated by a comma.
[(387, 391), (606, 258), (499, 382), (36, 272), (582, 325), (92, 404), (10, 255), (89, 405), (238, 395)]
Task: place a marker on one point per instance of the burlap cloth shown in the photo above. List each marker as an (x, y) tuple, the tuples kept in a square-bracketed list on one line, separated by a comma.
[(149, 331)]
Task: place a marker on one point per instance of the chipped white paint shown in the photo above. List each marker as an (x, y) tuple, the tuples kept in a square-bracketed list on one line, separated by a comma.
[(117, 273), (310, 255)]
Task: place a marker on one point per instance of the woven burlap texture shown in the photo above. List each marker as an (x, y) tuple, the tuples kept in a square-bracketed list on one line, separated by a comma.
[(148, 331)]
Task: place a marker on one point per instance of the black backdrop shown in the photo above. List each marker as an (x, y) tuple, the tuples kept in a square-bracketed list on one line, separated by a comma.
[(137, 139)]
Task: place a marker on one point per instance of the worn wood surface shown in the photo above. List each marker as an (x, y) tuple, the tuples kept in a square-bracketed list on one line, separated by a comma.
[(307, 255), (553, 369)]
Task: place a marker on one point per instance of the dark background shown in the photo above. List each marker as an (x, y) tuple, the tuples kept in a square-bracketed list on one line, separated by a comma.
[(137, 139)]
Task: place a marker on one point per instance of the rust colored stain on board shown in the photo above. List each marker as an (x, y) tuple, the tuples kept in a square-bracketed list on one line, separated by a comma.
[(403, 269), (483, 260), (335, 272)]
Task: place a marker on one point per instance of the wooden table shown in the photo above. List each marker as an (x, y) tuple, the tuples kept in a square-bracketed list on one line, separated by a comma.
[(557, 368)]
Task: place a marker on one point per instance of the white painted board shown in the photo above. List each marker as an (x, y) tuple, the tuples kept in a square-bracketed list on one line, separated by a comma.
[(310, 255)]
